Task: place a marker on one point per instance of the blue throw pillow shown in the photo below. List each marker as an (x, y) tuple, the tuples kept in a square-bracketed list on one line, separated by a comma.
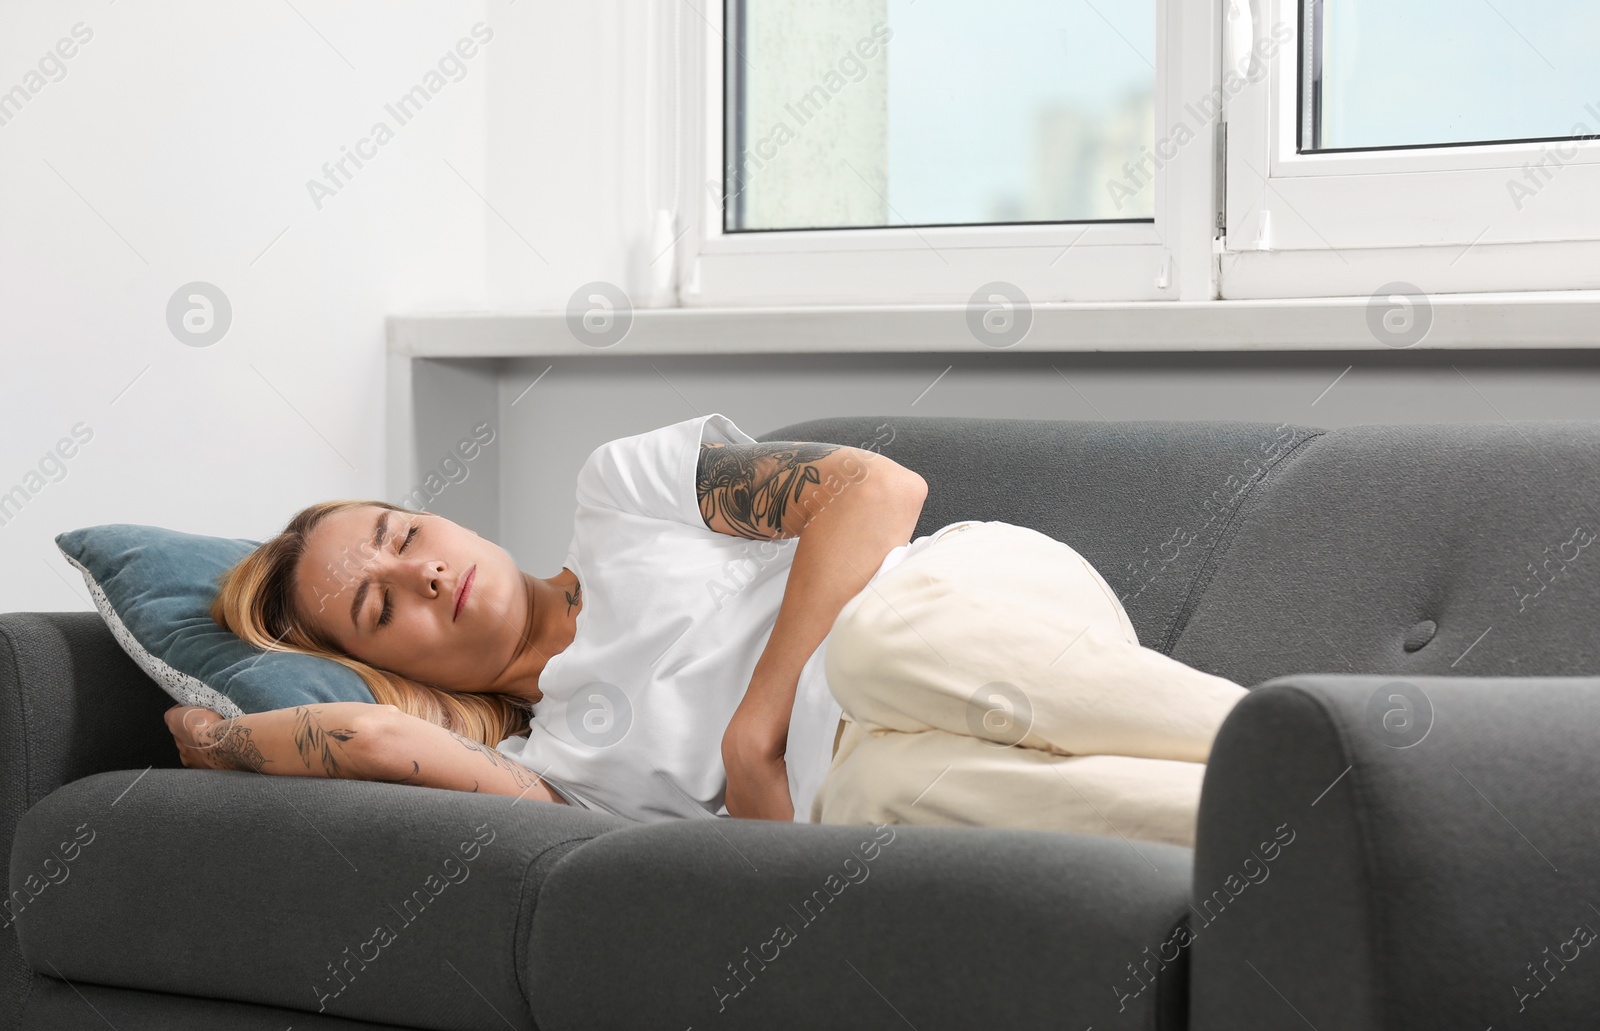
[(154, 586)]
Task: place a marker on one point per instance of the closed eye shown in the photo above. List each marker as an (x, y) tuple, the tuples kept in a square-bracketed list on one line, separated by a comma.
[(388, 607)]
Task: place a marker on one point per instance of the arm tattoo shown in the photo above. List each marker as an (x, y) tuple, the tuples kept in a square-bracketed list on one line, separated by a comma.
[(520, 773), (231, 747), (730, 482), (311, 737), (574, 596), (407, 779)]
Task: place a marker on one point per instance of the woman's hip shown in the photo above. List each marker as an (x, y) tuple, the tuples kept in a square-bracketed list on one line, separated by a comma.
[(993, 559), (1002, 633)]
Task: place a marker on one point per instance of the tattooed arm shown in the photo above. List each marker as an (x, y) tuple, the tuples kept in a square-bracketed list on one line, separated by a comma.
[(413, 751), (306, 741), (351, 740), (849, 507)]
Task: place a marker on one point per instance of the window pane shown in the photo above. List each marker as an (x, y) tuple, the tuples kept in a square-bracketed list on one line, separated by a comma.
[(938, 112), (1394, 73)]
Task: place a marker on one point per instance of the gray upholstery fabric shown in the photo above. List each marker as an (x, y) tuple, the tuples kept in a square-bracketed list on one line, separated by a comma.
[(1145, 502), (1373, 532), (1425, 885), (71, 703), (57, 1006), (676, 924), (245, 886)]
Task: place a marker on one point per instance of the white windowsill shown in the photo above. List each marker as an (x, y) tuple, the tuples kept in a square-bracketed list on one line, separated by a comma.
[(1557, 319)]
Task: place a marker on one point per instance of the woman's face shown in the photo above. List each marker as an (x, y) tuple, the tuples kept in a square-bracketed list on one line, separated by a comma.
[(367, 565)]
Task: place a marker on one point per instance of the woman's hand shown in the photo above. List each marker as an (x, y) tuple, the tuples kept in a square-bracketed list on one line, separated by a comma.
[(195, 730), (752, 756)]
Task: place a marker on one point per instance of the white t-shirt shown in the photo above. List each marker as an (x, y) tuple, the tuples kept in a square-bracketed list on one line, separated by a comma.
[(675, 616)]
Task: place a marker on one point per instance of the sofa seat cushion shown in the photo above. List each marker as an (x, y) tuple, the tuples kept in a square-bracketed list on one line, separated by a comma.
[(743, 923), (380, 902)]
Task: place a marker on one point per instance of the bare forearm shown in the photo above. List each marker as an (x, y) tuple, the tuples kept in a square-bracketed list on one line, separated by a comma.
[(414, 751)]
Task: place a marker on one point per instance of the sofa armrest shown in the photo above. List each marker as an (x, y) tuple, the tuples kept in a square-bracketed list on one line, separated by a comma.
[(71, 704), (349, 898), (74, 704), (1400, 852)]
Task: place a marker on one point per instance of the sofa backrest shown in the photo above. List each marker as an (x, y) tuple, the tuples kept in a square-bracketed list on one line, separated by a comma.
[(1145, 502), (1254, 550), (1436, 549)]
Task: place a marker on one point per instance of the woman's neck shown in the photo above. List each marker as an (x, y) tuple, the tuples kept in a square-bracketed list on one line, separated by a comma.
[(553, 607)]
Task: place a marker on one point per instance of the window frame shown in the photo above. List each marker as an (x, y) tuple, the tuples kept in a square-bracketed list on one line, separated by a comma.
[(1439, 217)]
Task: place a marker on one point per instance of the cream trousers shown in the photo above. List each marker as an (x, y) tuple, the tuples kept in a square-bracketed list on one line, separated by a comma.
[(993, 679)]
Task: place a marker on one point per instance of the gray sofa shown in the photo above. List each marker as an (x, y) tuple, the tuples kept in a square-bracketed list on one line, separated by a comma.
[(1398, 827)]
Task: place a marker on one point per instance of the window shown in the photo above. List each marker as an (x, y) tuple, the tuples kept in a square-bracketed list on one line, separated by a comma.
[(1451, 146), (1481, 78), (1023, 114), (923, 151), (948, 152)]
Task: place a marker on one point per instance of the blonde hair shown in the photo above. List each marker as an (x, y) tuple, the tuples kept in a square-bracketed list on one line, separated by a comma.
[(256, 601)]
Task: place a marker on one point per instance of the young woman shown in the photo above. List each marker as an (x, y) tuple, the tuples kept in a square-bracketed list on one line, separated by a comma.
[(722, 604)]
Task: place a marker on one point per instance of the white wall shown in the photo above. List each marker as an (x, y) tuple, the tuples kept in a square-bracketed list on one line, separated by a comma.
[(176, 147), (567, 147)]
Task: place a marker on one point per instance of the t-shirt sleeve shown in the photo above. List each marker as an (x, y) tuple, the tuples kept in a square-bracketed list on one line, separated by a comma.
[(652, 474), (516, 747), (574, 799)]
